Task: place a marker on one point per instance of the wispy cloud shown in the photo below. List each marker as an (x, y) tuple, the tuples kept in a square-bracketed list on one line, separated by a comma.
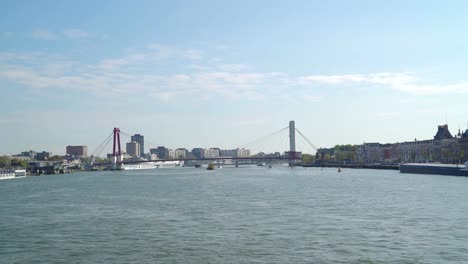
[(165, 96), (145, 73), (75, 33), (128, 74), (404, 82), (44, 34), (193, 54), (233, 67)]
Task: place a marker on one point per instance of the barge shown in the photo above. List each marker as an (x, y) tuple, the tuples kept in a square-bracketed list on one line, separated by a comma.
[(435, 168)]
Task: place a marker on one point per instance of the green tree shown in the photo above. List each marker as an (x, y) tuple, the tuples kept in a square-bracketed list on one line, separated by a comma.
[(5, 162), (56, 158), (15, 162), (307, 158)]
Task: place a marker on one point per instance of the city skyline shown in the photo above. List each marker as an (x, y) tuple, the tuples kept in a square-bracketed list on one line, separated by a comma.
[(212, 73)]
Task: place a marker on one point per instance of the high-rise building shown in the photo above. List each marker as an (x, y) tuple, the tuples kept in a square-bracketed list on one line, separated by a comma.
[(180, 153), (162, 152), (133, 149), (236, 153), (198, 152), (77, 151), (140, 139), (211, 153), (31, 154), (43, 155)]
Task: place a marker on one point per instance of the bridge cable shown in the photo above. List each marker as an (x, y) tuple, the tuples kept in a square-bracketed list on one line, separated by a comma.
[(103, 147), (253, 144), (307, 140), (102, 144)]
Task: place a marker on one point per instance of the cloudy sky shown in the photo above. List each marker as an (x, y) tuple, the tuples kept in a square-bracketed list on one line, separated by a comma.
[(224, 73)]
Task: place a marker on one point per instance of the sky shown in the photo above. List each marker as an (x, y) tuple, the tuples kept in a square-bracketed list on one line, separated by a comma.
[(224, 73)]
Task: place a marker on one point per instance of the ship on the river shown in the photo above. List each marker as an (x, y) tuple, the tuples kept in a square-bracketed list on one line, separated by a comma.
[(435, 168), (152, 165)]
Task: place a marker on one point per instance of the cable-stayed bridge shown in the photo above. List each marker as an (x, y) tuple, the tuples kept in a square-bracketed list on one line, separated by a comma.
[(279, 146)]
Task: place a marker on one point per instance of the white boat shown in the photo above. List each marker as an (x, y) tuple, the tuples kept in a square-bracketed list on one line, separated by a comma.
[(169, 164), (20, 173), (152, 165), (140, 166), (11, 174), (7, 174)]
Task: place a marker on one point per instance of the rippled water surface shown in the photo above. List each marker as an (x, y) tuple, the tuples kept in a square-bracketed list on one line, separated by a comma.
[(235, 215)]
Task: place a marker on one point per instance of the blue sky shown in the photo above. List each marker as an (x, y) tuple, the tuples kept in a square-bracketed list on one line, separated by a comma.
[(223, 73)]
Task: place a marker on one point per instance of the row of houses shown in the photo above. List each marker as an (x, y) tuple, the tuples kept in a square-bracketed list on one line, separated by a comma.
[(443, 148), (165, 153)]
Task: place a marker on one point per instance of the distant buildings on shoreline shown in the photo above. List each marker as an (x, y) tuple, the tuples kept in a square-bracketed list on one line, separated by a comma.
[(444, 148), (77, 151)]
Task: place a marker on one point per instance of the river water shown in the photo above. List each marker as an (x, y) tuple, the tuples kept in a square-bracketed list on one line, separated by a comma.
[(235, 215)]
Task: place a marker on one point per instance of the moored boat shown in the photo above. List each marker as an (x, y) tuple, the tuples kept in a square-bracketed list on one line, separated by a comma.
[(435, 168), (152, 165)]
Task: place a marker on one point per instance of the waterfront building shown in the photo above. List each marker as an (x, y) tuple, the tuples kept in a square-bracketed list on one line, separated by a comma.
[(372, 153), (443, 148), (198, 152), (450, 151), (464, 146), (77, 151), (211, 153), (180, 153), (236, 153), (43, 155), (443, 134), (133, 149), (243, 153), (415, 151), (171, 153), (153, 151), (227, 152), (162, 152), (31, 154), (140, 139)]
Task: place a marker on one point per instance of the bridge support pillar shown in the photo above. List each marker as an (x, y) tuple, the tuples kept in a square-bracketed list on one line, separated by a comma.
[(292, 154), (292, 136), (117, 157)]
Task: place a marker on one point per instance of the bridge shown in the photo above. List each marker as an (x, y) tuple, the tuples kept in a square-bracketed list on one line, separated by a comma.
[(292, 155)]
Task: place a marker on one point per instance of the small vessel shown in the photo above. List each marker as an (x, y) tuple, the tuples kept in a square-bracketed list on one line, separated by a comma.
[(269, 166), (210, 166), (261, 164), (339, 169), (197, 166), (152, 165)]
